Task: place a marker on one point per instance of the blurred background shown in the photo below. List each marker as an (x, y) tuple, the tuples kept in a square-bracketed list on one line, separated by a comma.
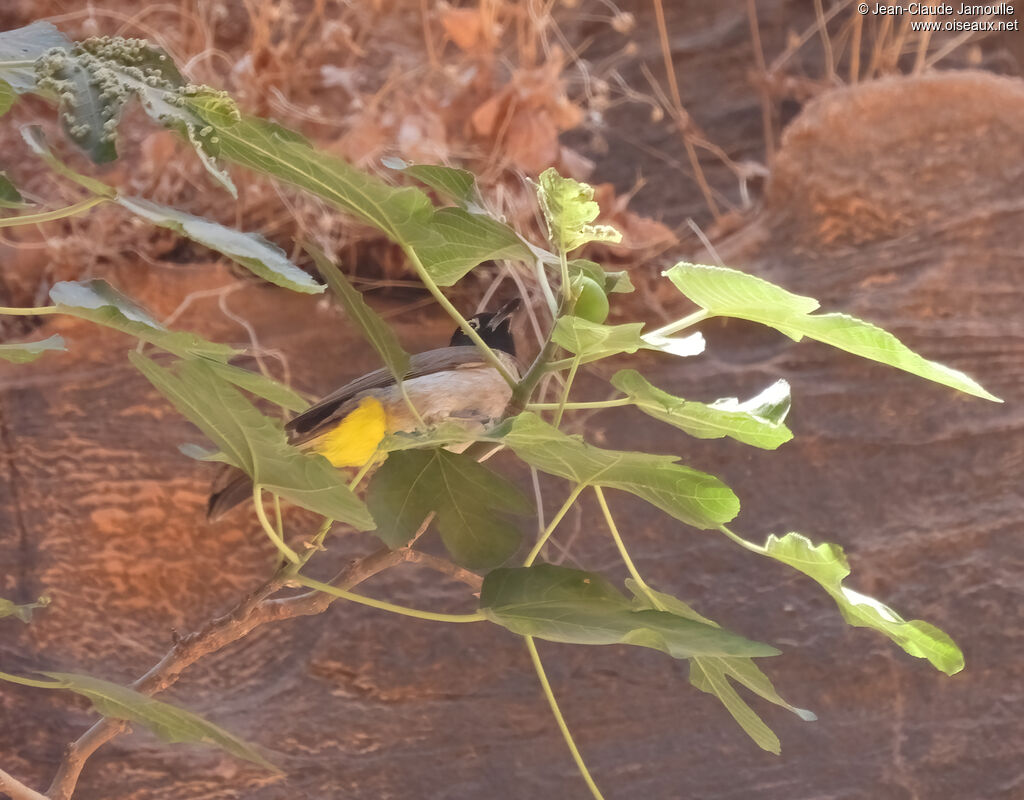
[(841, 154)]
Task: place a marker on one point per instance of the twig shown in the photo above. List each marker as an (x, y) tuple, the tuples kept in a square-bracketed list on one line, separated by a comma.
[(17, 790)]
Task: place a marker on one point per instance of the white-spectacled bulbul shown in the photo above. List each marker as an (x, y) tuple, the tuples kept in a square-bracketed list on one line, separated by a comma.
[(450, 383)]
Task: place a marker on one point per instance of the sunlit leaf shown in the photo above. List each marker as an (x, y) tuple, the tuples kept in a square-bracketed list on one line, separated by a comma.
[(458, 185), (569, 209), (7, 97), (757, 422), (262, 386), (36, 140), (568, 605), (693, 497), (22, 611), (251, 250), (826, 563), (23, 352), (471, 503), (254, 443), (374, 329), (593, 341), (710, 673), (170, 723), (448, 241), (730, 293), (99, 302), (19, 49)]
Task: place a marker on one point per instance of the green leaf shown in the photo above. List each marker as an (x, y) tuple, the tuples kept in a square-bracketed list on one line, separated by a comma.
[(170, 723), (730, 293), (7, 97), (468, 498), (99, 302), (569, 208), (23, 352), (458, 185), (710, 673), (448, 241), (254, 443), (593, 341), (826, 563), (757, 422), (36, 140), (568, 605), (693, 497), (440, 435), (262, 386), (19, 49), (22, 611), (374, 329), (251, 250), (10, 197), (612, 282)]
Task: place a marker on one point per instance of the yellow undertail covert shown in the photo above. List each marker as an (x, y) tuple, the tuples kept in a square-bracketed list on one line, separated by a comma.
[(354, 440)]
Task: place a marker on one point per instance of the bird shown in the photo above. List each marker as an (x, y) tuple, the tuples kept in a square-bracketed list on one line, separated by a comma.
[(347, 426)]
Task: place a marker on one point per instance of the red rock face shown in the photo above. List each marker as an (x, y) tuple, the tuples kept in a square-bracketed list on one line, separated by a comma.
[(899, 201)]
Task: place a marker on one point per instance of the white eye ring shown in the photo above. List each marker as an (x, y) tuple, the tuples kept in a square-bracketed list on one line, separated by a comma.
[(474, 324)]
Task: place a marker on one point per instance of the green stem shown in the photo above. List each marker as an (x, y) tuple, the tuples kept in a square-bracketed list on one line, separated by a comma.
[(674, 327), (562, 726), (30, 312), (560, 364), (524, 389), (753, 548), (453, 312), (310, 583), (553, 524), (621, 401), (409, 403), (633, 571), (279, 543), (563, 263), (565, 393), (314, 546), (362, 473), (49, 216)]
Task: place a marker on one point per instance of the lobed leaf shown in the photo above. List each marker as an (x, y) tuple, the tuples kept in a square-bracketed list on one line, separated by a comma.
[(470, 502), (693, 497), (169, 722), (592, 341), (23, 352), (569, 209), (458, 185), (374, 329), (710, 674), (826, 564), (254, 443), (730, 293), (19, 49), (617, 281), (22, 611), (757, 422), (262, 386), (97, 301), (568, 605)]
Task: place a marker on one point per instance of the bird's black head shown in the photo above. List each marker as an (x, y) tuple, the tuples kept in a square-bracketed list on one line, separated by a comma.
[(494, 327)]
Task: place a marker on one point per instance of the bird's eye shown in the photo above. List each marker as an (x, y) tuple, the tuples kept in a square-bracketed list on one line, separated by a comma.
[(474, 323)]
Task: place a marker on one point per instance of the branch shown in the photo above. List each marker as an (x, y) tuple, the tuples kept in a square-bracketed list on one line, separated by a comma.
[(253, 611), (17, 790)]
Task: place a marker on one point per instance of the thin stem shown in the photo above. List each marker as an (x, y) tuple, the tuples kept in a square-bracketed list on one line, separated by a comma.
[(29, 312), (633, 571), (553, 524), (279, 521), (560, 364), (408, 402), (565, 392), (310, 583), (562, 726), (563, 263), (521, 394), (453, 312), (313, 546), (674, 327), (361, 473), (621, 401), (49, 216), (279, 543), (36, 684), (545, 287), (753, 548)]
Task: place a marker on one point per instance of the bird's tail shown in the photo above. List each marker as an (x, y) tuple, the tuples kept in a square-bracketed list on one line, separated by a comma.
[(230, 487)]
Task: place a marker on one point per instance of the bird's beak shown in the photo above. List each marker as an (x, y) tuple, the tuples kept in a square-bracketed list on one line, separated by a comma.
[(503, 313)]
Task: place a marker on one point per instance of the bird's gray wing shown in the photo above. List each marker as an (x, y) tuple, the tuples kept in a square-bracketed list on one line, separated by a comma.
[(323, 415)]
